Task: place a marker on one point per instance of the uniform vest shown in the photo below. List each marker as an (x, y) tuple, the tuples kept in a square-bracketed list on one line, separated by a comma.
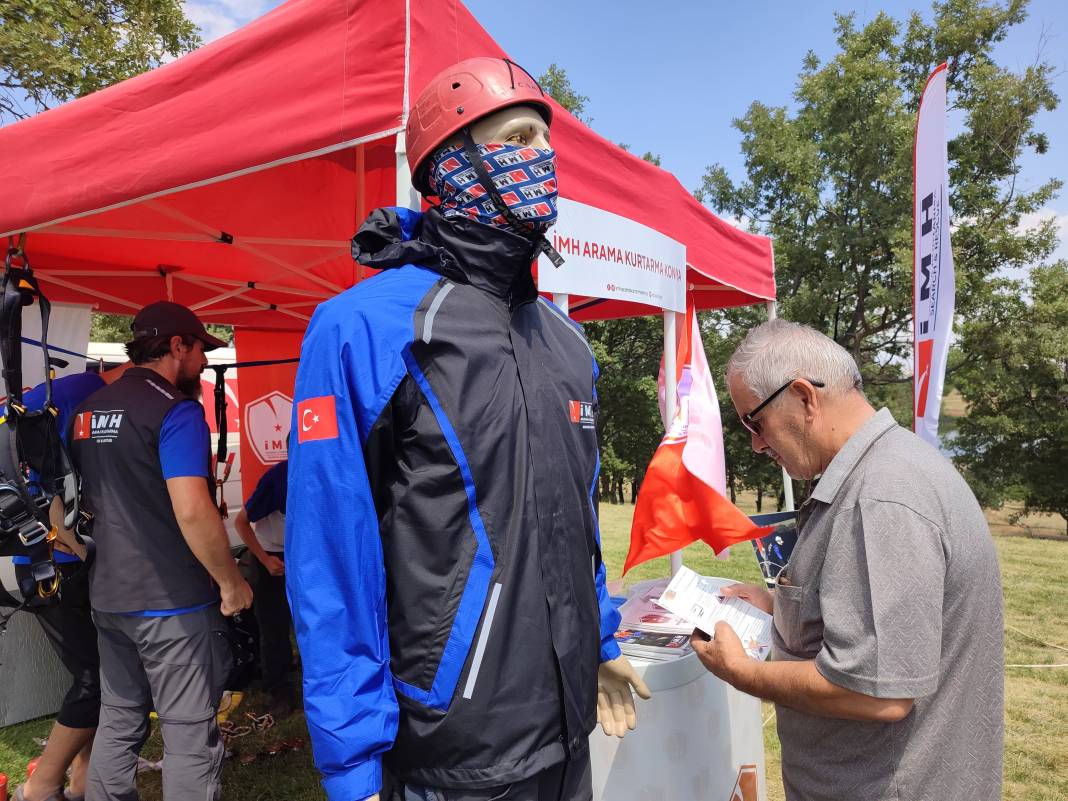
[(143, 561)]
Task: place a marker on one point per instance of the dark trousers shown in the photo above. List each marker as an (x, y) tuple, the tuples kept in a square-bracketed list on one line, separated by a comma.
[(68, 625), (272, 615), (567, 781)]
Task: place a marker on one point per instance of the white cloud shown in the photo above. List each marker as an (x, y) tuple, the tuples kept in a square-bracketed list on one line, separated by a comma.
[(1029, 221)]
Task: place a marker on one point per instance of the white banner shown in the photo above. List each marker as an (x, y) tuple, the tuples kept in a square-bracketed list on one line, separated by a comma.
[(609, 256), (933, 281)]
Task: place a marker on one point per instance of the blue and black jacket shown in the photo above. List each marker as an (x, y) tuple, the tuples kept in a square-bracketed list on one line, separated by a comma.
[(442, 550)]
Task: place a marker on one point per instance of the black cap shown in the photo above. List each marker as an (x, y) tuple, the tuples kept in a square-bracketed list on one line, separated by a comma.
[(164, 319)]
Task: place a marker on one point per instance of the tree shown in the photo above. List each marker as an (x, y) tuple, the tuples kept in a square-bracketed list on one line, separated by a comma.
[(116, 328), (628, 354), (722, 332), (1013, 443), (832, 181), (557, 85), (52, 51), (628, 421)]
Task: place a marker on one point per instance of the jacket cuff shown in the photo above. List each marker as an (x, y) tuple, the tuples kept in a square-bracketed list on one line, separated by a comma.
[(610, 649), (355, 784)]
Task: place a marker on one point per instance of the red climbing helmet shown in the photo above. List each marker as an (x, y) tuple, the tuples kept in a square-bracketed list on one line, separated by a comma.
[(460, 95)]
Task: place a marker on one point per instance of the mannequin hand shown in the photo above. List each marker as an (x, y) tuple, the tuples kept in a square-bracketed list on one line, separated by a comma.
[(615, 704)]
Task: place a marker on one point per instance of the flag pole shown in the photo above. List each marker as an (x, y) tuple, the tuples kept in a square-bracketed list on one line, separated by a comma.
[(787, 482), (670, 388)]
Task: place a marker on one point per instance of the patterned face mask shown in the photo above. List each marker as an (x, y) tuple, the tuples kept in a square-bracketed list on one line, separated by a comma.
[(524, 176)]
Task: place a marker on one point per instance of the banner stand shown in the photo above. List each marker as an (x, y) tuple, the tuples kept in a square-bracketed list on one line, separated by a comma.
[(671, 369), (787, 482)]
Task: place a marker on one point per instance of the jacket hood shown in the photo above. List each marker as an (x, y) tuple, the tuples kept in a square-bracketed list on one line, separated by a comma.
[(491, 259)]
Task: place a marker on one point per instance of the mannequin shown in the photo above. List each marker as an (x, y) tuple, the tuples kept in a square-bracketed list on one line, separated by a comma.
[(441, 528), (616, 714)]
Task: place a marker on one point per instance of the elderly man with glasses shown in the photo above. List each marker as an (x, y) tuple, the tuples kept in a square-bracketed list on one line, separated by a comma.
[(886, 669)]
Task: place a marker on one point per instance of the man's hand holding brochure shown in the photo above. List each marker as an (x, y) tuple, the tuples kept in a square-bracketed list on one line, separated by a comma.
[(700, 600)]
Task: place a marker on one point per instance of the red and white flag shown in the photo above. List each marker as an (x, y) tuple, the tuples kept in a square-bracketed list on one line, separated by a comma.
[(933, 281), (682, 498), (317, 418)]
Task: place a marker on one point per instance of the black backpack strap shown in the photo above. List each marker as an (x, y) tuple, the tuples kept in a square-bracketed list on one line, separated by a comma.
[(23, 521)]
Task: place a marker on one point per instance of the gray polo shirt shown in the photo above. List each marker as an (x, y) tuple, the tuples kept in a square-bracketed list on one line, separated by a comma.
[(894, 590)]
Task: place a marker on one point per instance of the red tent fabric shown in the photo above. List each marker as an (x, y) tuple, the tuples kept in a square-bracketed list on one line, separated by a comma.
[(232, 178)]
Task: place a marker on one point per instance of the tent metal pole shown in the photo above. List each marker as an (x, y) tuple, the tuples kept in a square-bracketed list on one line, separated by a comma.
[(563, 300), (174, 214), (218, 298), (670, 386), (787, 482), (124, 233), (177, 236), (260, 286), (206, 283), (236, 310), (153, 274), (407, 197), (360, 166), (91, 292), (243, 287)]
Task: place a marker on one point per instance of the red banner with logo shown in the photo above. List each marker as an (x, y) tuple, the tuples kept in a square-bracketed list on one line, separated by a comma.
[(266, 394)]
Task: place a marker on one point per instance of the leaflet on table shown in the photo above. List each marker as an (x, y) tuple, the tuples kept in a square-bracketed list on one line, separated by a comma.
[(641, 610), (653, 644), (696, 598)]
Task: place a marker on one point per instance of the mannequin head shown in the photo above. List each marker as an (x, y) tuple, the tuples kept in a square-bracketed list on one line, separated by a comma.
[(479, 141), (515, 125), (466, 95)]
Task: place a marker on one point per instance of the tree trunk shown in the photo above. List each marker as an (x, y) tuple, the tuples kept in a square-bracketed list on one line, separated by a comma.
[(781, 501), (619, 492), (635, 488)]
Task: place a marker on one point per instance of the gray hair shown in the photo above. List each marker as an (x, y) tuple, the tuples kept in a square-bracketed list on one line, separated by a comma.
[(777, 351)]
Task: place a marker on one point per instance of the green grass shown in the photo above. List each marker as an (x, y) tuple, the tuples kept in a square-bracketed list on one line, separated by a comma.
[(1033, 554)]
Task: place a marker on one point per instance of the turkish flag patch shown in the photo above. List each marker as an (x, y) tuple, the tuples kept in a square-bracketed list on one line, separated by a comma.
[(317, 419), (83, 425)]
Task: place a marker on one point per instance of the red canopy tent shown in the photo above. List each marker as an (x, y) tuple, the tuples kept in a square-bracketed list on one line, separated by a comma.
[(232, 178)]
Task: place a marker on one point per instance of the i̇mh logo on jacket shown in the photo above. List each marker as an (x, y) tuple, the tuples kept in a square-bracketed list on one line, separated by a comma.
[(581, 413), (98, 426)]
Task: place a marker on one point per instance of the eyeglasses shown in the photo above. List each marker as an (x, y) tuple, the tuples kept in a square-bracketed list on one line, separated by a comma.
[(752, 425)]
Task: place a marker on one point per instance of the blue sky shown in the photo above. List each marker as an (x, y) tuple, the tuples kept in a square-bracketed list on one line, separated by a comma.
[(672, 81)]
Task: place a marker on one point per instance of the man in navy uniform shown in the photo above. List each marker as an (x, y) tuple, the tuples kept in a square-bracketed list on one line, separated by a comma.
[(266, 510), (164, 576)]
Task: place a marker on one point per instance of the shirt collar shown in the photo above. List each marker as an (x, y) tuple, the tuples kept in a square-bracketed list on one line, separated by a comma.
[(850, 455)]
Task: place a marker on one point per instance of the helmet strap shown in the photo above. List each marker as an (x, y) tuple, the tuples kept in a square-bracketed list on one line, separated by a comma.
[(540, 242)]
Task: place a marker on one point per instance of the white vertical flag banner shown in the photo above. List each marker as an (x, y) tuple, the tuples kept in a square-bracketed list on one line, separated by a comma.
[(933, 281)]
